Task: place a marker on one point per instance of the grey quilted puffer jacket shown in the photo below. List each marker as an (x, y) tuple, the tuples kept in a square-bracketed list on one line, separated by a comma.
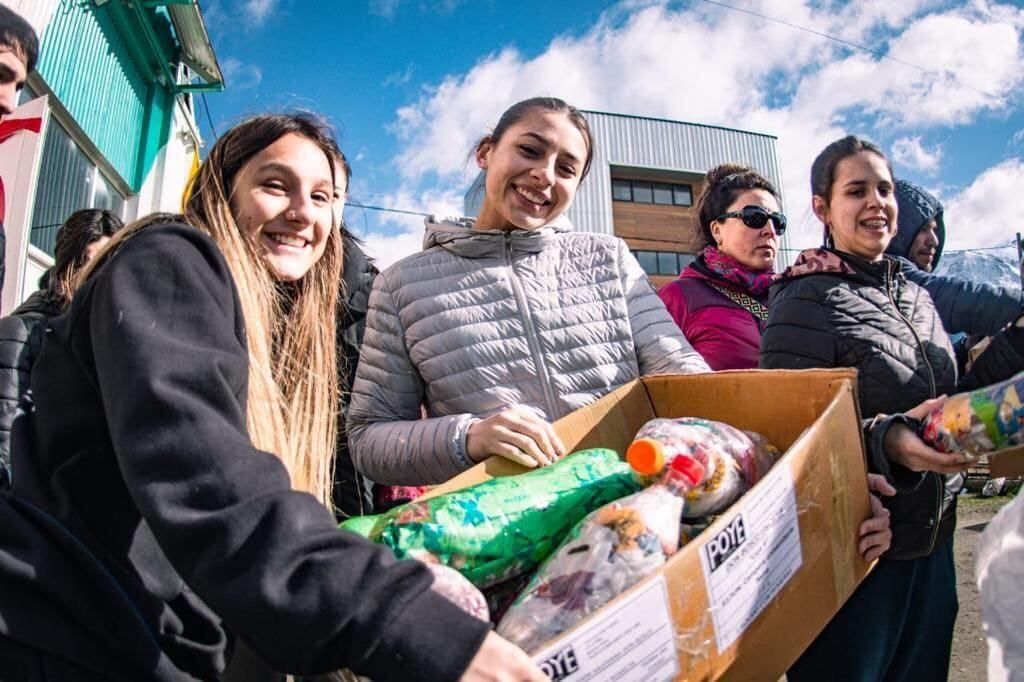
[(480, 320)]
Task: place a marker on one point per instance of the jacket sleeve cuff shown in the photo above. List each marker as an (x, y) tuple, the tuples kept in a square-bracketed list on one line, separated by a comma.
[(875, 430), (432, 639), (460, 450)]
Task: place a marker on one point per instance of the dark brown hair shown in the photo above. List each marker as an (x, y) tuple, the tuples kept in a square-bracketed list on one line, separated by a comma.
[(721, 187), (81, 229), (823, 170), (18, 34), (517, 111)]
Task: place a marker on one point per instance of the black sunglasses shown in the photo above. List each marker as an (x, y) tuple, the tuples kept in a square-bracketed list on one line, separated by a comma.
[(756, 217)]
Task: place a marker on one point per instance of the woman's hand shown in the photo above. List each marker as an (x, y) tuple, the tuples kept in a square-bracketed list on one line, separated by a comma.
[(905, 447), (875, 534), (498, 660), (516, 434)]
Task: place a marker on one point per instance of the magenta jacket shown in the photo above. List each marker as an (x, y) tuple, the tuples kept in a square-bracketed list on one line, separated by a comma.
[(722, 330)]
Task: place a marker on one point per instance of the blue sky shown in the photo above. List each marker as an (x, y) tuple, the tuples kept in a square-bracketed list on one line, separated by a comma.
[(410, 84)]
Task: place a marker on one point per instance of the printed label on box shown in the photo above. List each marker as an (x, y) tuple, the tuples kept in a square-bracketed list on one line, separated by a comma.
[(632, 640), (746, 564)]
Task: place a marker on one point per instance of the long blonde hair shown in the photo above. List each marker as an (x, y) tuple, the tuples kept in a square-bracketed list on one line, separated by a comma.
[(290, 327)]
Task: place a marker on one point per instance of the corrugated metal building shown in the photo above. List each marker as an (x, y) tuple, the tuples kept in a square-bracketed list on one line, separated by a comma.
[(646, 175), (119, 131)]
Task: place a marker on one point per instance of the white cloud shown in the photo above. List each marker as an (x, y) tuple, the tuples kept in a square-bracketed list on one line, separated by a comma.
[(987, 212), (1018, 137), (257, 11), (241, 76), (710, 65), (384, 8), (404, 233), (909, 152), (399, 77)]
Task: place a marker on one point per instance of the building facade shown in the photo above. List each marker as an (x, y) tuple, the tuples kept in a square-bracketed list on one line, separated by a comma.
[(645, 178), (114, 89)]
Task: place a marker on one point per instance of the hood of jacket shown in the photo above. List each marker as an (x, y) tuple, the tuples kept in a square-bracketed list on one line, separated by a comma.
[(917, 206), (39, 304), (460, 236)]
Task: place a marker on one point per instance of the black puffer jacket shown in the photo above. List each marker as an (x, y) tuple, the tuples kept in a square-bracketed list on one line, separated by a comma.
[(835, 310), (352, 491), (21, 336)]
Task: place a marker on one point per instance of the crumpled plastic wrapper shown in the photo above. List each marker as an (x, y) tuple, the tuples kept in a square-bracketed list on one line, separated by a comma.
[(1000, 573), (450, 584)]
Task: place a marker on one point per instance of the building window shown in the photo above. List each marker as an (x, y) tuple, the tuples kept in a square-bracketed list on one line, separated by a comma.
[(682, 195), (661, 193), (622, 190), (68, 181), (643, 193), (663, 262)]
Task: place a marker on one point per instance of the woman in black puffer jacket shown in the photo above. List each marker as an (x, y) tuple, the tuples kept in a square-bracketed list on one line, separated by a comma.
[(81, 236), (847, 305)]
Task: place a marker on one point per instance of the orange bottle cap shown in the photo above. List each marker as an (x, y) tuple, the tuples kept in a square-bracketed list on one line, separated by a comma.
[(646, 456)]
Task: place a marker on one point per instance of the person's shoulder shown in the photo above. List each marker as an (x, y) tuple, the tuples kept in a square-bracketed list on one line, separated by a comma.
[(165, 249)]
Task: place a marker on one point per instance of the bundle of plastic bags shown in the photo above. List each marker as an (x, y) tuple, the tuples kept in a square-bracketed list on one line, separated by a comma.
[(506, 526), (978, 422)]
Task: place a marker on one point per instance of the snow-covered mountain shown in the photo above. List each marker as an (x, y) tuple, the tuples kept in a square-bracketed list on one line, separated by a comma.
[(998, 267)]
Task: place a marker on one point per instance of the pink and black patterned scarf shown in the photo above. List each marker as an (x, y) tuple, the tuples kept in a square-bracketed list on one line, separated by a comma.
[(756, 282)]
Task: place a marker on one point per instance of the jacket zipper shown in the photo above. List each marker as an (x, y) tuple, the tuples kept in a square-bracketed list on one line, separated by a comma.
[(940, 484), (937, 518), (924, 354), (531, 333)]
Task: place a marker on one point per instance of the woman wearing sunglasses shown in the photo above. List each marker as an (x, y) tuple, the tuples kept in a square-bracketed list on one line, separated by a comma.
[(720, 300)]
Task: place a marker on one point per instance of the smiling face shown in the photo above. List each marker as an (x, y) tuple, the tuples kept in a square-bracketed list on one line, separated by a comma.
[(755, 248), (285, 199), (533, 171), (861, 209), (13, 71)]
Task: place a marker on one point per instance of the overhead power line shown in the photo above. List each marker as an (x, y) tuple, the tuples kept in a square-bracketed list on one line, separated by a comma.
[(388, 210), (863, 48)]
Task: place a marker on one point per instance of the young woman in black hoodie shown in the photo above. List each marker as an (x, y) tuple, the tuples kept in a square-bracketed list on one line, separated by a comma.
[(172, 486)]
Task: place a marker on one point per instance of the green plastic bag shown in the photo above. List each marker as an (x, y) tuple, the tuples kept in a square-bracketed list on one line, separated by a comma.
[(506, 526)]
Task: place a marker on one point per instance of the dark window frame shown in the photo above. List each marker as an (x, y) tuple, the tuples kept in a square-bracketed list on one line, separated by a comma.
[(674, 188)]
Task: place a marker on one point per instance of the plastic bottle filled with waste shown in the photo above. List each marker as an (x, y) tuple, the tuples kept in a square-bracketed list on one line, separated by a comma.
[(978, 422), (611, 550), (733, 460)]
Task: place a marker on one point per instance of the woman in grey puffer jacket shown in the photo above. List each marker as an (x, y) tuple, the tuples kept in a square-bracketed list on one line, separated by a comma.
[(504, 323)]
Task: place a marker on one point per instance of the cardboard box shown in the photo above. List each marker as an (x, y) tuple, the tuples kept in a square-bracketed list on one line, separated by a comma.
[(1009, 463), (745, 598)]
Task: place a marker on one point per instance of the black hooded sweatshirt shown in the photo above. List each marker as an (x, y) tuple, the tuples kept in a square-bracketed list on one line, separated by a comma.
[(144, 532)]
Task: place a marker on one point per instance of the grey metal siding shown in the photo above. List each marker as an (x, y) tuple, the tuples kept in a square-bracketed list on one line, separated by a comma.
[(670, 145)]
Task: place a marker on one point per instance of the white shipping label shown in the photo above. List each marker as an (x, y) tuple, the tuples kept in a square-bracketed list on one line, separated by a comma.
[(748, 562), (632, 640)]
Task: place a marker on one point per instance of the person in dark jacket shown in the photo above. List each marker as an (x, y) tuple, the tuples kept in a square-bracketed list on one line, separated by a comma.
[(720, 301), (177, 501), (964, 306), (921, 232), (353, 492), (848, 305), (21, 333), (19, 51)]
